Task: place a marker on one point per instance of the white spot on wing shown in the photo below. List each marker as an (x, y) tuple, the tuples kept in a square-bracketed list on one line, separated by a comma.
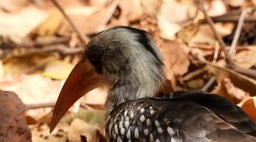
[(128, 134), (157, 123), (142, 118), (160, 130), (122, 131), (136, 133), (151, 137), (148, 121), (142, 110), (126, 124), (170, 131), (151, 111), (116, 129), (131, 114), (125, 112), (146, 132), (119, 139)]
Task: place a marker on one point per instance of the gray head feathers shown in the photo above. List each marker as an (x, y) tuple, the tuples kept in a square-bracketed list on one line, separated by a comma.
[(130, 60)]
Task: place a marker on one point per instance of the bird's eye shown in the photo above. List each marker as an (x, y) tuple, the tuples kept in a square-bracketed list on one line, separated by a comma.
[(95, 54)]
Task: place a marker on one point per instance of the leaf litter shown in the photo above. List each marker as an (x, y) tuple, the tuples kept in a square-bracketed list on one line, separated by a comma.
[(194, 58)]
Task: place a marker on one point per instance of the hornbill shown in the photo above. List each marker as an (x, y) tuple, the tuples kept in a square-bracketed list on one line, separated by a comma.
[(127, 60)]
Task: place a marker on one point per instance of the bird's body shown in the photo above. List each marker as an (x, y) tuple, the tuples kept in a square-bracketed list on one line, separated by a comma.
[(128, 61), (179, 119)]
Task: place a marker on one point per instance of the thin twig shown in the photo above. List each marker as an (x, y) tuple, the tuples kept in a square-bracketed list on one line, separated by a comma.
[(44, 42), (40, 105), (63, 50), (208, 84), (233, 19), (110, 12), (220, 40), (230, 63), (238, 31), (80, 35)]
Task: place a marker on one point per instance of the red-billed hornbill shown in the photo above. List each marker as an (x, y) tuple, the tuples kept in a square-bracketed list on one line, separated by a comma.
[(128, 60)]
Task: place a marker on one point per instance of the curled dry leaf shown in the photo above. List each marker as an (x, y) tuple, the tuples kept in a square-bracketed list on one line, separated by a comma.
[(246, 58), (78, 128), (228, 90), (188, 32), (245, 83)]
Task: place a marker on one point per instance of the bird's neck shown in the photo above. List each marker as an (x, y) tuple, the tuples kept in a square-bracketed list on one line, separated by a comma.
[(132, 88)]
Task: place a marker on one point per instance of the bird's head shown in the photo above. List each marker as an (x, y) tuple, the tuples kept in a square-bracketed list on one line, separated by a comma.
[(124, 57)]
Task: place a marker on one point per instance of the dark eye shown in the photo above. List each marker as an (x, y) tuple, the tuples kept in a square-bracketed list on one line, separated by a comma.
[(95, 54)]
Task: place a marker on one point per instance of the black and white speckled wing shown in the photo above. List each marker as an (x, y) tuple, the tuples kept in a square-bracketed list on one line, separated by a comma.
[(225, 109), (169, 120)]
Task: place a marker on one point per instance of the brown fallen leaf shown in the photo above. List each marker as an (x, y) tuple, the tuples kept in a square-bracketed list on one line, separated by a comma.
[(245, 83), (228, 90), (95, 17), (246, 58), (131, 10), (78, 128), (249, 106)]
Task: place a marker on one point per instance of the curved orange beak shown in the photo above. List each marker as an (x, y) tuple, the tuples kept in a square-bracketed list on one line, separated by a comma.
[(82, 79)]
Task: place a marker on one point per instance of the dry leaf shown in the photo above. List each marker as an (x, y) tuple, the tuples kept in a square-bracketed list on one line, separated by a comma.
[(78, 128), (95, 17), (41, 134), (51, 24), (216, 8), (17, 26), (57, 69), (96, 96), (245, 83), (174, 57), (18, 65), (150, 7), (188, 32), (12, 5), (93, 117), (228, 90), (236, 3), (246, 58), (131, 9), (249, 106), (33, 89)]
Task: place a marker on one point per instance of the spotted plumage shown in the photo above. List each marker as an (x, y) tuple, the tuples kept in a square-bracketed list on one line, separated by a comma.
[(128, 62)]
